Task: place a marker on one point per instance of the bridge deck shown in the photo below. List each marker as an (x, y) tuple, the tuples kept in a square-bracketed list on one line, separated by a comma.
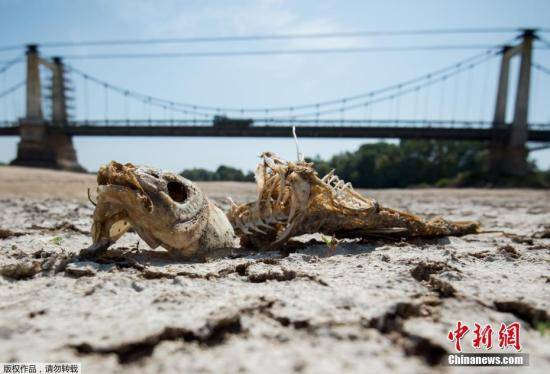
[(539, 135), (285, 131)]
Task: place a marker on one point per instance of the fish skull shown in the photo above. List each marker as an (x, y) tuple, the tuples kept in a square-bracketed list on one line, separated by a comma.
[(162, 207)]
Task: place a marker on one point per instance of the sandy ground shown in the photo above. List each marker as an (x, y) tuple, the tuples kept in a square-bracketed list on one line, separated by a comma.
[(378, 306)]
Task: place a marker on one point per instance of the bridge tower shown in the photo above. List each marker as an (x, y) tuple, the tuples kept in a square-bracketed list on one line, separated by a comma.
[(38, 145), (508, 151)]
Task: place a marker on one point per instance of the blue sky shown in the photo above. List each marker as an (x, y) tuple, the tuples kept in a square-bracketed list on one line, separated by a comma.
[(262, 81)]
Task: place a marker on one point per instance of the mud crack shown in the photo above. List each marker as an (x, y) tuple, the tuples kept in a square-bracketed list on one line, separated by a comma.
[(41, 262), (65, 225), (21, 270), (509, 252), (443, 288), (528, 313), (214, 332), (5, 233), (424, 272), (520, 239), (391, 324), (280, 274)]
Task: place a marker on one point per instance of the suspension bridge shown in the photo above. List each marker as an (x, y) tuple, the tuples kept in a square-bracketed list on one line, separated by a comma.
[(46, 131)]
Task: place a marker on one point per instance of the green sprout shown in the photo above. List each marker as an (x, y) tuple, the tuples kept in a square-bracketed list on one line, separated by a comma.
[(331, 242), (543, 327), (57, 240)]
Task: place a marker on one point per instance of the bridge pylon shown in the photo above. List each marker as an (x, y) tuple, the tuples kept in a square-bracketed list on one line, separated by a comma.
[(508, 150), (38, 145)]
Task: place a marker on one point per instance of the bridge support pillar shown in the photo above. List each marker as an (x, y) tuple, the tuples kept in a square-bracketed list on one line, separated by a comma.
[(39, 146), (509, 148), (517, 155), (499, 139), (33, 148)]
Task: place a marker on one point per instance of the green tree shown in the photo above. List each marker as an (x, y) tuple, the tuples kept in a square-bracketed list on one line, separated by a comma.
[(222, 173), (408, 163), (411, 162)]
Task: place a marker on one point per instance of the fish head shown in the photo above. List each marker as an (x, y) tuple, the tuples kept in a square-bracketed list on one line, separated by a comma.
[(163, 208)]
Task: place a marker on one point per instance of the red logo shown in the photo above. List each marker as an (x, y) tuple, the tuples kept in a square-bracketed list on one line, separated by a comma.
[(508, 335), (457, 334), (483, 336)]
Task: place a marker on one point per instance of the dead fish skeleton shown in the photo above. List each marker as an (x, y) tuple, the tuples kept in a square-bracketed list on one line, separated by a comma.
[(163, 209), (292, 200), (168, 210)]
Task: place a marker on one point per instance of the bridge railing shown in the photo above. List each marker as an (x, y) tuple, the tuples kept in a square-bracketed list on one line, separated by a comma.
[(9, 123), (290, 122), (450, 124), (265, 122), (412, 123), (539, 126)]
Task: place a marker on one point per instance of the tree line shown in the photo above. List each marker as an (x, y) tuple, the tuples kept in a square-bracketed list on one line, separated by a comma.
[(409, 163), (222, 173)]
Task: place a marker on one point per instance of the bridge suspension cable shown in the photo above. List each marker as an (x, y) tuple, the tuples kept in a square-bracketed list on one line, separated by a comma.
[(541, 68), (267, 37), (202, 110), (426, 83), (12, 89), (126, 94), (272, 52), (537, 86), (10, 63), (4, 96), (544, 41)]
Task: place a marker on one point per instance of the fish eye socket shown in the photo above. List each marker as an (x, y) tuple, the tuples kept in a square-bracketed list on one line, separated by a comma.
[(177, 191)]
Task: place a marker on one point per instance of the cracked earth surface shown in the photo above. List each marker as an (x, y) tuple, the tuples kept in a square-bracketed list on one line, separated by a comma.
[(374, 306)]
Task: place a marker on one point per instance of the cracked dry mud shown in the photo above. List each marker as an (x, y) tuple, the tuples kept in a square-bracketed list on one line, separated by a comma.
[(375, 306)]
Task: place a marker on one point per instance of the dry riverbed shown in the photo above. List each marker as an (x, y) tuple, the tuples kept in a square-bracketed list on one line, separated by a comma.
[(374, 306)]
